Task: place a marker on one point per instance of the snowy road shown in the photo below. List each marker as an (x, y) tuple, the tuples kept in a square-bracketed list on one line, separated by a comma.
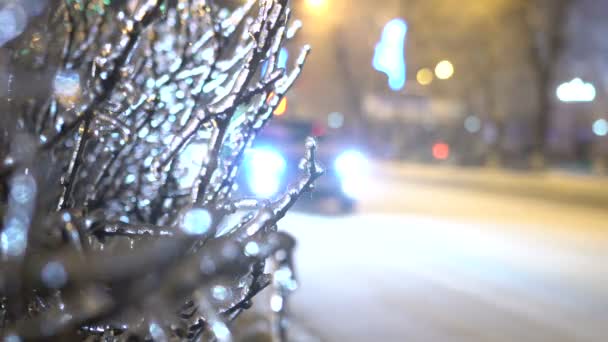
[(427, 263)]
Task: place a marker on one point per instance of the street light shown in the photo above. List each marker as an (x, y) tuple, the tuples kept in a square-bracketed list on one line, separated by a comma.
[(576, 91), (424, 76), (444, 70), (316, 4)]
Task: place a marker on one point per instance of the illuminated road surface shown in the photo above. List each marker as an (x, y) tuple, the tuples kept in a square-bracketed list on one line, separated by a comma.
[(424, 263)]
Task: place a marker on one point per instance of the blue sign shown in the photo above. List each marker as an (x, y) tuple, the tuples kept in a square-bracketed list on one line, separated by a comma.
[(389, 56)]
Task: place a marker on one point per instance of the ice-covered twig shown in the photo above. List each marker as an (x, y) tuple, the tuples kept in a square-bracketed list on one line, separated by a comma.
[(110, 230)]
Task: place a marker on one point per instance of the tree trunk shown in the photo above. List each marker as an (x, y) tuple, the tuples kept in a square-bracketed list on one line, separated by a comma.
[(541, 126), (352, 88)]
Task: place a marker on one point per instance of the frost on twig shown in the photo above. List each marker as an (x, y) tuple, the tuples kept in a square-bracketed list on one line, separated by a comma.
[(109, 230)]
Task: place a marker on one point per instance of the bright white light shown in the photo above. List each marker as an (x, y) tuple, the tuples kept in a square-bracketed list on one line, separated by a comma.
[(266, 168), (219, 292), (352, 168), (389, 56), (276, 303), (576, 91), (316, 4), (252, 248), (352, 187), (265, 185), (444, 70), (600, 127), (221, 331), (350, 162)]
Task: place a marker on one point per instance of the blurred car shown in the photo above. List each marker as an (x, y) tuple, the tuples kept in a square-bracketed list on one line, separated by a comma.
[(272, 163)]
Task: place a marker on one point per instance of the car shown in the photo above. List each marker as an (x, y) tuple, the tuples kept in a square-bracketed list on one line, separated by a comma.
[(272, 163)]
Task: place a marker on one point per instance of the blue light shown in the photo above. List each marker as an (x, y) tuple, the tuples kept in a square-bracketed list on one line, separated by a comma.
[(281, 61), (283, 57), (265, 169), (196, 221), (54, 275), (600, 127), (389, 56), (352, 168)]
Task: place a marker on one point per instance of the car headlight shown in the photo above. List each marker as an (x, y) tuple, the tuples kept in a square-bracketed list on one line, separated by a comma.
[(265, 169), (352, 167)]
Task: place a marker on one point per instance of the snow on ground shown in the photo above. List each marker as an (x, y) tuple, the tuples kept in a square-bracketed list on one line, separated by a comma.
[(420, 262)]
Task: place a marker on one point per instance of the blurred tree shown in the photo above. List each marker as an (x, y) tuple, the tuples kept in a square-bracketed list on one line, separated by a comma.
[(543, 25), (475, 36), (498, 47)]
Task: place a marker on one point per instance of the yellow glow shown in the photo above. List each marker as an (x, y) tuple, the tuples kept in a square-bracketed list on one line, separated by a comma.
[(281, 108), (424, 76), (444, 70), (316, 4)]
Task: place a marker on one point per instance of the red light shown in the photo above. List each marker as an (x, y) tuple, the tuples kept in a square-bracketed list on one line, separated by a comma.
[(441, 151), (318, 130)]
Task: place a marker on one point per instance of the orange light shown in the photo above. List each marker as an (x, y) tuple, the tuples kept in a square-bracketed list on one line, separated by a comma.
[(270, 96), (441, 151), (281, 108)]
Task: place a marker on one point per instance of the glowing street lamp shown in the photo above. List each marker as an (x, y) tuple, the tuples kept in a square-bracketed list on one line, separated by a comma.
[(576, 91), (444, 70), (316, 5)]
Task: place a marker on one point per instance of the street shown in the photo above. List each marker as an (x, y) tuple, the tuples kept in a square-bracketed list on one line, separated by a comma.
[(425, 262)]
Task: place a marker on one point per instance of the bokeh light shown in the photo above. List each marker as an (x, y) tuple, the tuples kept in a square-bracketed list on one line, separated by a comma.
[(54, 275), (317, 5), (13, 20), (441, 151), (389, 55), (265, 168), (600, 127), (281, 108), (444, 70), (425, 76), (472, 124), (196, 221), (335, 120), (576, 91)]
